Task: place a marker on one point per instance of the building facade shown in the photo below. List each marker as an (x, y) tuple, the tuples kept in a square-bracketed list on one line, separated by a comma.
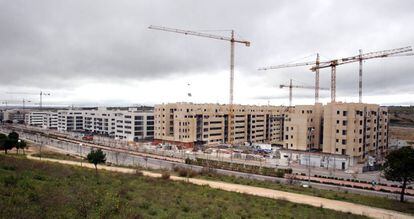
[(355, 129), (50, 120), (302, 127), (188, 124), (34, 118), (130, 124)]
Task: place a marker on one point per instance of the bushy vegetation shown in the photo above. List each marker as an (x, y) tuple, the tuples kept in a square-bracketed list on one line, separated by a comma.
[(34, 189), (253, 169), (59, 156)]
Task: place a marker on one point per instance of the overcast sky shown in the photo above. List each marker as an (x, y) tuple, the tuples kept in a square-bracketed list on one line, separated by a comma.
[(102, 53)]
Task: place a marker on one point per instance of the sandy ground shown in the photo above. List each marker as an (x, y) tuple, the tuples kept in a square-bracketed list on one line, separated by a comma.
[(262, 192), (404, 133)]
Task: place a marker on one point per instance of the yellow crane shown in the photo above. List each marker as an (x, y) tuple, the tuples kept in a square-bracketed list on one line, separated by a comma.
[(232, 41)]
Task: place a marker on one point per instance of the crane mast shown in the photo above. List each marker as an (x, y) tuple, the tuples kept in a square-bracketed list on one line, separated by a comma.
[(232, 41), (315, 63), (359, 58), (291, 86), (335, 62)]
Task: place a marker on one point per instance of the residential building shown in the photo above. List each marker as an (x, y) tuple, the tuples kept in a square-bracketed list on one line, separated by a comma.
[(188, 124), (50, 120), (34, 118), (130, 124), (355, 129), (14, 115), (70, 120), (302, 127)]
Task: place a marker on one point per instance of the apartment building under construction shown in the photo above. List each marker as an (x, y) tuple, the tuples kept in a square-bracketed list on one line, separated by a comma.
[(188, 124), (353, 129)]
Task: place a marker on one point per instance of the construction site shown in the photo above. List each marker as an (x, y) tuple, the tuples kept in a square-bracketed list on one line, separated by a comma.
[(358, 131), (334, 135)]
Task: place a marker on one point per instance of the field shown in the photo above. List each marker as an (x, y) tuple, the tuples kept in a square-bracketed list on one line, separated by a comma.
[(32, 189), (401, 116), (404, 133)]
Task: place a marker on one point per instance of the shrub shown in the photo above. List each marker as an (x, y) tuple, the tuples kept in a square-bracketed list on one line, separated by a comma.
[(280, 173), (182, 172), (138, 173), (10, 181), (165, 175)]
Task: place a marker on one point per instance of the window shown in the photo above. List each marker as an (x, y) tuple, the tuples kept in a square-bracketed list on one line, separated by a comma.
[(343, 141), (343, 132), (337, 121), (344, 123), (344, 113), (338, 112), (286, 137), (337, 131)]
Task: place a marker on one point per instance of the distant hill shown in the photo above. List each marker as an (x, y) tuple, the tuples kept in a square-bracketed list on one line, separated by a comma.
[(401, 116)]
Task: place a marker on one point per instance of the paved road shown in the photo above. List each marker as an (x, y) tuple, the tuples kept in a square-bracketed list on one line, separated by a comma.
[(262, 192)]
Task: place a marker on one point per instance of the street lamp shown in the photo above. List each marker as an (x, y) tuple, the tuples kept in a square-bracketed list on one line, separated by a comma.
[(18, 144), (41, 144), (309, 154), (80, 152)]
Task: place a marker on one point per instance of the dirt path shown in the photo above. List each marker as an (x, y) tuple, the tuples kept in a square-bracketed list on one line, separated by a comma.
[(263, 192)]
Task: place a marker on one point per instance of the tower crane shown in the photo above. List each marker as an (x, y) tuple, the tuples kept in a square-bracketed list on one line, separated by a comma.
[(24, 101), (359, 58), (341, 61), (315, 64), (291, 86), (232, 41), (41, 94)]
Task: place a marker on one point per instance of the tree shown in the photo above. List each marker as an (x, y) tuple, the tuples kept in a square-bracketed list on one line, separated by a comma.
[(12, 140), (3, 139), (13, 136), (96, 157), (399, 166), (21, 145), (7, 143)]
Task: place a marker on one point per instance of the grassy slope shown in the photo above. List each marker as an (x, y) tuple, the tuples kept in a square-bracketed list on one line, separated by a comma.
[(373, 201), (32, 189)]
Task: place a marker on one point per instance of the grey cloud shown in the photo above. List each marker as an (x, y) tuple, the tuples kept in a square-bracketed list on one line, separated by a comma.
[(57, 44)]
